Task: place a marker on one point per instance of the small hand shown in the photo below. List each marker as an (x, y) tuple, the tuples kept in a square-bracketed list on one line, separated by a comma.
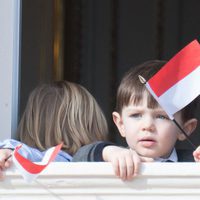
[(5, 160), (125, 162), (196, 154)]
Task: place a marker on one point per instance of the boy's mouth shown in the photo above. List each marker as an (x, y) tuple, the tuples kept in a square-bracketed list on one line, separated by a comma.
[(147, 142)]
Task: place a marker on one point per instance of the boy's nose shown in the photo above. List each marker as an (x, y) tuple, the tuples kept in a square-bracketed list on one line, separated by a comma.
[(148, 124)]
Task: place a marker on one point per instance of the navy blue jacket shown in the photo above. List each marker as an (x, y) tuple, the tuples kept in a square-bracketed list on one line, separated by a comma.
[(93, 153)]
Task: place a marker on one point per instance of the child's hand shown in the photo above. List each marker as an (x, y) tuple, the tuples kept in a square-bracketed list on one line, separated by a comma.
[(5, 160), (125, 162), (196, 154)]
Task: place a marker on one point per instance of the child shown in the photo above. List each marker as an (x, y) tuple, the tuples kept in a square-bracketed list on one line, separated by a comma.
[(58, 112), (149, 133)]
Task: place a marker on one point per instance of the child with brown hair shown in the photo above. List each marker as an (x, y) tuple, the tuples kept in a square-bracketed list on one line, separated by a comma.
[(149, 133)]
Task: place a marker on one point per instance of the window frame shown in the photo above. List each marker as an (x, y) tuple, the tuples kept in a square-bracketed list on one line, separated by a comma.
[(10, 17)]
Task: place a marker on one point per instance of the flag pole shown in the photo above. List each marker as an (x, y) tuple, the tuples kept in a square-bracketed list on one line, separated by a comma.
[(143, 81), (187, 137)]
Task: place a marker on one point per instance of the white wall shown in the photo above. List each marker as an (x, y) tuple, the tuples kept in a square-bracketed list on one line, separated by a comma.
[(9, 66), (96, 181)]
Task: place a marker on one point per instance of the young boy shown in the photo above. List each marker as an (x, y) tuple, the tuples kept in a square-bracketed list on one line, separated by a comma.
[(149, 133)]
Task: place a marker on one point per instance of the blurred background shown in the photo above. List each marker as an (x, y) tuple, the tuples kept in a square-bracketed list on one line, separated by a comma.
[(94, 42)]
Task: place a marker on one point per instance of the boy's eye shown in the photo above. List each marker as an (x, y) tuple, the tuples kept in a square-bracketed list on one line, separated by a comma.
[(136, 115), (162, 117)]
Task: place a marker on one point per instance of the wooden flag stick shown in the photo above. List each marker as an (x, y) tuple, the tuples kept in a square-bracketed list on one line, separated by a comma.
[(187, 137)]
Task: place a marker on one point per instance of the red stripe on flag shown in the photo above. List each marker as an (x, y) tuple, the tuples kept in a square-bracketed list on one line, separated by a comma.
[(31, 167), (182, 64)]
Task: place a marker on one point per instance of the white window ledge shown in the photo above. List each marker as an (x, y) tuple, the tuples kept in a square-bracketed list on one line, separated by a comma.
[(88, 181)]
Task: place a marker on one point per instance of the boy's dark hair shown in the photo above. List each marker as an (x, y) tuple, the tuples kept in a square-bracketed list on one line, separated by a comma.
[(131, 90)]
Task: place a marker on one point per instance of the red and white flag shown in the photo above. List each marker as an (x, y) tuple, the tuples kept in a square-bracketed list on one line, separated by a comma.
[(177, 83), (30, 170)]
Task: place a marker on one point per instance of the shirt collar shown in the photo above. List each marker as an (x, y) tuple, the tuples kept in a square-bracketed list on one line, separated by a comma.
[(172, 157)]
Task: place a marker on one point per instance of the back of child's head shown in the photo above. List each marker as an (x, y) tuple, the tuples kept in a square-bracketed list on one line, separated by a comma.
[(62, 112), (131, 90)]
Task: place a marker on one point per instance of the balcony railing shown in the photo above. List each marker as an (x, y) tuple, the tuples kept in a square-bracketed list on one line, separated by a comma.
[(89, 181)]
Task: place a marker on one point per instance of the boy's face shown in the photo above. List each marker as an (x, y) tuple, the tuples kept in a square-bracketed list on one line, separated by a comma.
[(148, 131)]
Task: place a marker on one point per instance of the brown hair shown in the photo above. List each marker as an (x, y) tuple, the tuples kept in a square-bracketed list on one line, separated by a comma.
[(131, 90), (62, 112)]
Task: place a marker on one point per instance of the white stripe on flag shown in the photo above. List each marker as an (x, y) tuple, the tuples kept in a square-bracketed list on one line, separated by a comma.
[(180, 94), (28, 177)]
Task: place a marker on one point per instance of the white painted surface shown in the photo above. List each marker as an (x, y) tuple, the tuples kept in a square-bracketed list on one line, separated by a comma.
[(91, 181), (9, 66)]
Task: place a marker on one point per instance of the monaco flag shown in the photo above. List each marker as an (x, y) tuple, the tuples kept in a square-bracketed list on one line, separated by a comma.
[(177, 83), (30, 170)]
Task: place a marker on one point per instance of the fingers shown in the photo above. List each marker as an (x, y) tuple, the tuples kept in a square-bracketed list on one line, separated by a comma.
[(126, 168), (115, 165), (137, 162), (2, 161), (5, 158), (126, 165), (8, 162), (122, 169), (196, 154), (1, 174), (125, 162)]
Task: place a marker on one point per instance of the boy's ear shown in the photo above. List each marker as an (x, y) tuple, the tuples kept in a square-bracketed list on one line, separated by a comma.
[(189, 126), (119, 123)]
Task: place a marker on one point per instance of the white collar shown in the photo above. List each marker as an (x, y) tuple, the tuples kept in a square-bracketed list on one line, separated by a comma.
[(172, 157)]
